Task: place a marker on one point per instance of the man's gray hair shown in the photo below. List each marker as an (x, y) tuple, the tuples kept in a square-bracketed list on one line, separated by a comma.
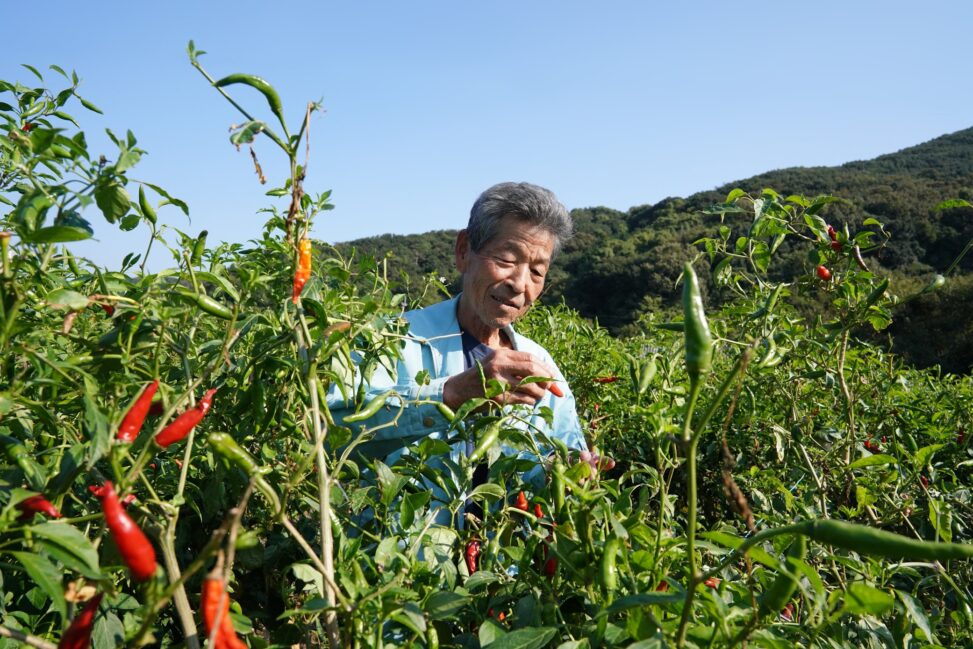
[(528, 203)]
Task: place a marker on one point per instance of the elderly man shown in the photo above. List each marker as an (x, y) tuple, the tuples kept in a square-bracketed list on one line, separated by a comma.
[(514, 231)]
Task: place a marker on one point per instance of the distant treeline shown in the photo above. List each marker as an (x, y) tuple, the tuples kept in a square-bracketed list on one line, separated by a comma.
[(621, 265)]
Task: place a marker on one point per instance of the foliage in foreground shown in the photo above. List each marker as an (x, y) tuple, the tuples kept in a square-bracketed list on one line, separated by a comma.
[(695, 537)]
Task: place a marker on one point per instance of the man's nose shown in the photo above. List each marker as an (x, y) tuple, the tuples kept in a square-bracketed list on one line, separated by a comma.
[(519, 278)]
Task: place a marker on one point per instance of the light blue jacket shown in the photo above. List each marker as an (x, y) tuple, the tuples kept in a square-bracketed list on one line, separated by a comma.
[(435, 344)]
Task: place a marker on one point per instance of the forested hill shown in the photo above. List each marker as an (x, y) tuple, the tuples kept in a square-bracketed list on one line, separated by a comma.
[(623, 263)]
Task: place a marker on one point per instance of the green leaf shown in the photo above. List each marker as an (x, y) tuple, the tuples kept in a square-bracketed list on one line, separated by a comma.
[(444, 605), (112, 200), (45, 575), (953, 203), (34, 70), (246, 132), (735, 194), (488, 490), (526, 638), (871, 460), (755, 553), (108, 632), (69, 546), (642, 599), (127, 160), (915, 612), (862, 599), (62, 298), (31, 209), (87, 104), (924, 454), (129, 223), (58, 234)]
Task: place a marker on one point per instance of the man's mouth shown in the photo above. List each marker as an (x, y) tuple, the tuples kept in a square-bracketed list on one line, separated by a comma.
[(507, 303)]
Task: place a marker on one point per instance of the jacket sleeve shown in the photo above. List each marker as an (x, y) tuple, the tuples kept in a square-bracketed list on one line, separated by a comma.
[(409, 412)]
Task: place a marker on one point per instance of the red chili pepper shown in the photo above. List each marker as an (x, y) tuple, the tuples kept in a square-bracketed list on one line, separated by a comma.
[(924, 480), (823, 273), (538, 511), (128, 500), (214, 594), (109, 309), (836, 246), (303, 271), (132, 422), (663, 586), (78, 635), (832, 233), (472, 554), (180, 427), (555, 390), (712, 582), (134, 546), (961, 437), (37, 505), (550, 567), (27, 127), (605, 379), (521, 503), (788, 612)]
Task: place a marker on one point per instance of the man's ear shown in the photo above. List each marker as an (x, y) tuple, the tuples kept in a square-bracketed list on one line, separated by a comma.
[(462, 251)]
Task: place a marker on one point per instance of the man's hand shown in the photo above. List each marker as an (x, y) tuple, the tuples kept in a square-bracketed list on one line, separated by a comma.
[(507, 366)]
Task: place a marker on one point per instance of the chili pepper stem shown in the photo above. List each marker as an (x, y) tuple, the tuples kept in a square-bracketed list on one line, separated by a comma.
[(691, 441)]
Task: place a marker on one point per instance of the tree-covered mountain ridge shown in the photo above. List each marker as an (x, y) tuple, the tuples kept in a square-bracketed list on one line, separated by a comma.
[(621, 264)]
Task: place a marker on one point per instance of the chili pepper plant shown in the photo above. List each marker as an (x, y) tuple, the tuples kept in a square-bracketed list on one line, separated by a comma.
[(727, 495)]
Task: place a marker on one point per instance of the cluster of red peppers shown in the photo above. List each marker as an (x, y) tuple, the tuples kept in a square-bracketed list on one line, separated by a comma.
[(303, 272)]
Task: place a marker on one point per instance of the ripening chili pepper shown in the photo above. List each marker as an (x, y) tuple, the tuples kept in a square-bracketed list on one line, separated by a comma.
[(37, 505), (78, 635), (131, 424), (605, 379), (823, 273), (134, 546), (538, 511), (663, 586), (788, 612), (471, 554), (303, 271), (550, 567), (128, 500), (216, 613), (521, 503), (555, 390), (185, 422), (699, 343)]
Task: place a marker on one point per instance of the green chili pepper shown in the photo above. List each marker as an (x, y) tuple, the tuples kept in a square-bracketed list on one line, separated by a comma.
[(370, 408), (699, 344), (205, 303), (273, 99), (445, 411), (877, 292), (875, 542), (487, 440), (147, 210), (227, 448), (197, 257), (776, 597), (646, 374), (608, 572)]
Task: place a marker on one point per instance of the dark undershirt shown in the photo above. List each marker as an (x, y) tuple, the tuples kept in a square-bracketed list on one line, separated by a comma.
[(473, 352)]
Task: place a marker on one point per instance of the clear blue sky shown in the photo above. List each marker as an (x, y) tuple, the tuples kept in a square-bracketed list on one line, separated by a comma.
[(429, 102)]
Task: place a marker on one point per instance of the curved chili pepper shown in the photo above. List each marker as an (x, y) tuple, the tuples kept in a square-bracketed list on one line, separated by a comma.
[(216, 611), (555, 390), (181, 425), (699, 343), (132, 422), (37, 505), (78, 635), (134, 546), (521, 503), (303, 271), (605, 379), (472, 554)]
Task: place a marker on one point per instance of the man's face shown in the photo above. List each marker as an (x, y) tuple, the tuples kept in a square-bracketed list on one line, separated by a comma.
[(502, 280)]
